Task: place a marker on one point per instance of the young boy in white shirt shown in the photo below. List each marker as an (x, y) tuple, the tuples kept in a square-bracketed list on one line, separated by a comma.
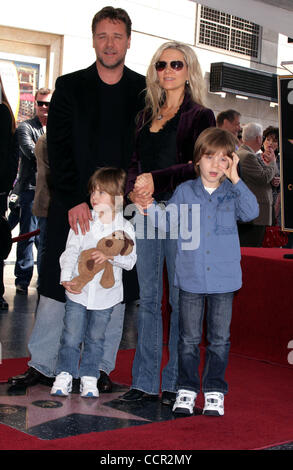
[(88, 312)]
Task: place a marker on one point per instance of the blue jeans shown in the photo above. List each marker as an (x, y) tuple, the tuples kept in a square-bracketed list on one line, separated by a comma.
[(24, 265), (44, 342), (87, 327), (151, 254), (218, 320)]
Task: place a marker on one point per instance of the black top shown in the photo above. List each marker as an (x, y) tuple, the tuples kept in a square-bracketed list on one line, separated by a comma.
[(158, 149), (111, 124)]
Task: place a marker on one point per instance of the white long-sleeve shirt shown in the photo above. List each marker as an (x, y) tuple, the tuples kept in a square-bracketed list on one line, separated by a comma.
[(93, 295)]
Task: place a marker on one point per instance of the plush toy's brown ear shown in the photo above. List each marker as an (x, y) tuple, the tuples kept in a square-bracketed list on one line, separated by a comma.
[(128, 244)]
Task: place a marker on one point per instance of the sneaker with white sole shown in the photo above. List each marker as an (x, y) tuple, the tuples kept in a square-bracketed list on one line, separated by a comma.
[(214, 404), (62, 385), (88, 387), (185, 400)]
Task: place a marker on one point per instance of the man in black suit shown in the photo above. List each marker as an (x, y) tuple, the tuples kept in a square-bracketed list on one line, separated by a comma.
[(91, 124)]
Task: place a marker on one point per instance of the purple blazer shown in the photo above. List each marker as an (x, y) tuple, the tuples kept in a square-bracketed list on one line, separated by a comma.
[(193, 120)]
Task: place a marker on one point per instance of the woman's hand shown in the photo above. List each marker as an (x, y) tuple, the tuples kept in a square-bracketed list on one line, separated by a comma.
[(275, 181), (268, 156), (231, 172), (144, 184), (69, 286), (141, 202), (141, 195)]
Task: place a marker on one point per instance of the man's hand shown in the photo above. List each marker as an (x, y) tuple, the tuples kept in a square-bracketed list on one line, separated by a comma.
[(82, 215)]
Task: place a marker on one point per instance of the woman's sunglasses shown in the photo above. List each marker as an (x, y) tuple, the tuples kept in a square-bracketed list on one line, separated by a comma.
[(174, 64)]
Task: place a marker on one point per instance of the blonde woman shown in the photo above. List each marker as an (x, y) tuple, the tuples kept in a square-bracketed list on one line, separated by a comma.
[(173, 118)]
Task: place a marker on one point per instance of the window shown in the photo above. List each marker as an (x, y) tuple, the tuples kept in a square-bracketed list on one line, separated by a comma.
[(228, 32)]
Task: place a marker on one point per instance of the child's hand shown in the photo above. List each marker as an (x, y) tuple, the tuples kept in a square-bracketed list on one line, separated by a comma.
[(231, 172), (99, 257), (69, 286)]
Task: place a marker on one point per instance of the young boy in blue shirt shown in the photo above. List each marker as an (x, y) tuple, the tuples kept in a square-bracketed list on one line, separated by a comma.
[(205, 211)]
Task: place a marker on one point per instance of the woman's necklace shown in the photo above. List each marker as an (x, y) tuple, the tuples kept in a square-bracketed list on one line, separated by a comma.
[(172, 111)]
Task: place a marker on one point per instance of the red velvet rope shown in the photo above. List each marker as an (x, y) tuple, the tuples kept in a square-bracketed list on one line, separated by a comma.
[(25, 236)]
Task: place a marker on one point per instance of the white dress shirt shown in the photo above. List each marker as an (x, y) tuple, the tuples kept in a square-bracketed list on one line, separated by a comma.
[(93, 295)]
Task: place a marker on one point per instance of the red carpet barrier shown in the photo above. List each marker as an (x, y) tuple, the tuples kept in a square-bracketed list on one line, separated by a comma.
[(262, 323)]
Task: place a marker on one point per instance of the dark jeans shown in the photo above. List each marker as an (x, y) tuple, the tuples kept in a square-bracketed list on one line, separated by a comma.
[(42, 225), (218, 319), (24, 265)]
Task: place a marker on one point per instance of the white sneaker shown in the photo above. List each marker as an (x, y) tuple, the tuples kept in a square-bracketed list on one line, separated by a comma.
[(214, 404), (88, 387), (62, 385), (185, 400)]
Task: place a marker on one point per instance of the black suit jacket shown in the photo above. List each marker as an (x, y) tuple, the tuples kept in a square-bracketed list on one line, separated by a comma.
[(71, 132), (72, 127)]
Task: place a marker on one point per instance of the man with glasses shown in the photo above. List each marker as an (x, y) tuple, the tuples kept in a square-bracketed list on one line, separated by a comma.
[(28, 132), (91, 124)]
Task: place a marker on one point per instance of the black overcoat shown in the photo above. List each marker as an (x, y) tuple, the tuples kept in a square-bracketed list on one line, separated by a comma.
[(70, 137)]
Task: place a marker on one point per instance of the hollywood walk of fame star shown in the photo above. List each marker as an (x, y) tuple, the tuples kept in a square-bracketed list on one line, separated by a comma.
[(37, 412)]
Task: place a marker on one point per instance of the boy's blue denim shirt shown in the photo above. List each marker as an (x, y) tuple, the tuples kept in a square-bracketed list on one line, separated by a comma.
[(208, 249)]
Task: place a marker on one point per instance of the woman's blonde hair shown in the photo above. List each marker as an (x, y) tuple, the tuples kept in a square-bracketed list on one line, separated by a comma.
[(155, 94)]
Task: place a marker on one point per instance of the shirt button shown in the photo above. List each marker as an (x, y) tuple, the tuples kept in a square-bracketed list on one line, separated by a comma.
[(208, 234), (208, 252), (208, 269)]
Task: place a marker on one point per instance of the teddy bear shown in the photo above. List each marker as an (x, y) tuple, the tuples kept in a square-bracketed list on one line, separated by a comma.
[(117, 243)]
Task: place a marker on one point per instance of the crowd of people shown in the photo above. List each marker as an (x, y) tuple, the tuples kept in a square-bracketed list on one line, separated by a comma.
[(152, 141)]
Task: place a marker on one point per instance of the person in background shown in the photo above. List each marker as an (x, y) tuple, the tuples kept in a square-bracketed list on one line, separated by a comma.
[(42, 196), (271, 145), (229, 120), (258, 176), (172, 119), (8, 167), (28, 132)]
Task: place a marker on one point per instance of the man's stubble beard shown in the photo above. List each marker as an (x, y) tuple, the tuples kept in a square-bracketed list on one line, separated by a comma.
[(111, 66)]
